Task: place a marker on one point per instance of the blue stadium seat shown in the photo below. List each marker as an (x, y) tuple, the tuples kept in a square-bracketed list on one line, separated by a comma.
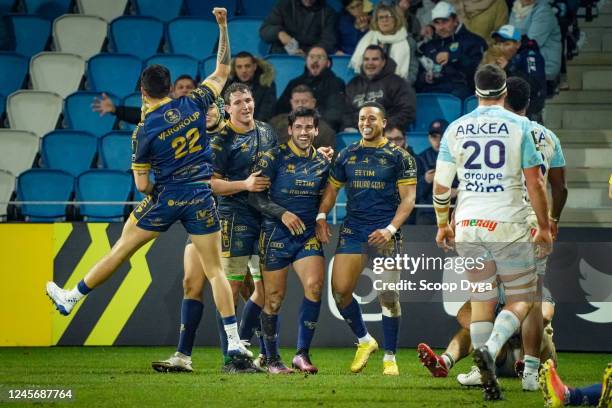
[(163, 10), (419, 141), (192, 36), (202, 8), (337, 5), (469, 104), (14, 68), (137, 35), (103, 185), (114, 73), (79, 116), (31, 33), (287, 67), (177, 64), (72, 151), (344, 139), (2, 104), (432, 106), (207, 66), (116, 150), (259, 8), (44, 185), (340, 67), (49, 9), (133, 100), (6, 6), (244, 35)]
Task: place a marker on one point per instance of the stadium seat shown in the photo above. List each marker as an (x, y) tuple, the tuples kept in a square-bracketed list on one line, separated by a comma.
[(116, 150), (259, 8), (49, 9), (107, 9), (244, 35), (192, 36), (114, 73), (133, 100), (44, 185), (165, 10), (36, 111), (202, 8), (419, 141), (340, 67), (344, 139), (103, 185), (2, 105), (31, 33), (79, 116), (6, 6), (7, 186), (177, 64), (79, 34), (287, 67), (23, 147), (72, 151), (57, 72), (434, 106), (337, 5), (14, 68), (207, 66), (137, 35), (469, 104)]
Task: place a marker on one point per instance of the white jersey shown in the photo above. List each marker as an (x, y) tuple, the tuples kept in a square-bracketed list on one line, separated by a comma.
[(489, 148)]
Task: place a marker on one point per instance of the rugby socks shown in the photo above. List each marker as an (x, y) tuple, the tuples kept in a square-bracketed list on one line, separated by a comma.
[(79, 291), (191, 314), (585, 396), (390, 333), (222, 336), (249, 320), (532, 364), (388, 356), (269, 326), (307, 320), (449, 361), (480, 333), (230, 327), (352, 315), (506, 324)]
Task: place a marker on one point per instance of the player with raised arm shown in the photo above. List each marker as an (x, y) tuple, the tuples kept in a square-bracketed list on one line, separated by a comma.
[(171, 140), (380, 182), (491, 150)]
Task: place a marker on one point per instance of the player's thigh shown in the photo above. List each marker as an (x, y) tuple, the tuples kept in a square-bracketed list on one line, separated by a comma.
[(346, 271), (194, 271), (464, 315), (311, 271), (208, 248), (132, 238)]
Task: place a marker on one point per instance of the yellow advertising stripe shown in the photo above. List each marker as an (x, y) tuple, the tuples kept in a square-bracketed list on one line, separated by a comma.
[(124, 302), (61, 232), (99, 247)]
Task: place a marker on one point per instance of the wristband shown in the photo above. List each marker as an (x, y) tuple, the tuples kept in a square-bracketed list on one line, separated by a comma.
[(321, 216), (391, 229)]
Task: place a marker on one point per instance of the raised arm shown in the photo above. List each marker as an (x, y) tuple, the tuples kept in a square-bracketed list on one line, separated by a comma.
[(224, 57)]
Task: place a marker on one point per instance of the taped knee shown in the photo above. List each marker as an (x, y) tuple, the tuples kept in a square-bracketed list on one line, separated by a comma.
[(392, 309), (254, 267), (523, 285)]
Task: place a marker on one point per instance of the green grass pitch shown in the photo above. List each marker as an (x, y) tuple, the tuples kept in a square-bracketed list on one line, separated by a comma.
[(122, 377)]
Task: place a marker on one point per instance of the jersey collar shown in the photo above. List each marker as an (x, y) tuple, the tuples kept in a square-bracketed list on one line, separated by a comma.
[(237, 129), (382, 142), (158, 104), (294, 149)]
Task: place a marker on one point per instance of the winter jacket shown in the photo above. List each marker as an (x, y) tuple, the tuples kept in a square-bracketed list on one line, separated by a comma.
[(348, 35), (541, 25), (528, 64), (482, 17), (388, 89), (328, 90), (315, 25), (262, 87)]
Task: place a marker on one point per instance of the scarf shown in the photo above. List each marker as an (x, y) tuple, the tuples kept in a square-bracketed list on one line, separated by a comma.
[(399, 50), (520, 11)]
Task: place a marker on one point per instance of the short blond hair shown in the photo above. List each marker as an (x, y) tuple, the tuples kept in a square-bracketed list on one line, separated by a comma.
[(395, 13)]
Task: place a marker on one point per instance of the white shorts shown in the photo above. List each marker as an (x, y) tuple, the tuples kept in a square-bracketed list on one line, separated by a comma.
[(532, 221)]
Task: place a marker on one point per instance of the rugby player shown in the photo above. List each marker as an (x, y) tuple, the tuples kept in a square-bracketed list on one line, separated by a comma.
[(380, 182), (171, 140), (491, 150), (298, 174)]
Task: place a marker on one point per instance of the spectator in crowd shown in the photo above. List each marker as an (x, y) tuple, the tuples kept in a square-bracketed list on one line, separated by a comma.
[(377, 82), (353, 23), (409, 9), (536, 20), (482, 17), (387, 30), (397, 136), (182, 86), (521, 57), (423, 13), (303, 97), (294, 26), (450, 60), (327, 88), (258, 74)]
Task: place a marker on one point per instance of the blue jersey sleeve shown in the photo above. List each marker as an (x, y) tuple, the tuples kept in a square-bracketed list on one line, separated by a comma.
[(141, 159), (530, 157), (337, 174), (219, 153), (406, 169), (267, 163), (444, 153), (203, 96), (558, 160)]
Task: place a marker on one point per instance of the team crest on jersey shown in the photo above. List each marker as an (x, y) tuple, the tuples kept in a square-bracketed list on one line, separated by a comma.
[(382, 161), (172, 116), (244, 147), (453, 47), (291, 168), (352, 159)]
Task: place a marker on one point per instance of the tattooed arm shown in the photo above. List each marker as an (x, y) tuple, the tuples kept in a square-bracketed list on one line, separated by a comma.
[(224, 57)]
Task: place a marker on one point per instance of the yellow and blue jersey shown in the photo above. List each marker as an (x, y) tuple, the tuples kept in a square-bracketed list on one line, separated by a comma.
[(371, 176), (172, 139)]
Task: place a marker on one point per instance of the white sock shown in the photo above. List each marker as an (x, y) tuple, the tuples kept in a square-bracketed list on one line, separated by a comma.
[(183, 356), (506, 324), (389, 357), (365, 339), (75, 294), (480, 333), (233, 339), (532, 364), (447, 360)]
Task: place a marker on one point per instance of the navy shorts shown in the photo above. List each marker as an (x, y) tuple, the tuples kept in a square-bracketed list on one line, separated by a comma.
[(354, 240), (192, 205), (239, 234), (279, 249)]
